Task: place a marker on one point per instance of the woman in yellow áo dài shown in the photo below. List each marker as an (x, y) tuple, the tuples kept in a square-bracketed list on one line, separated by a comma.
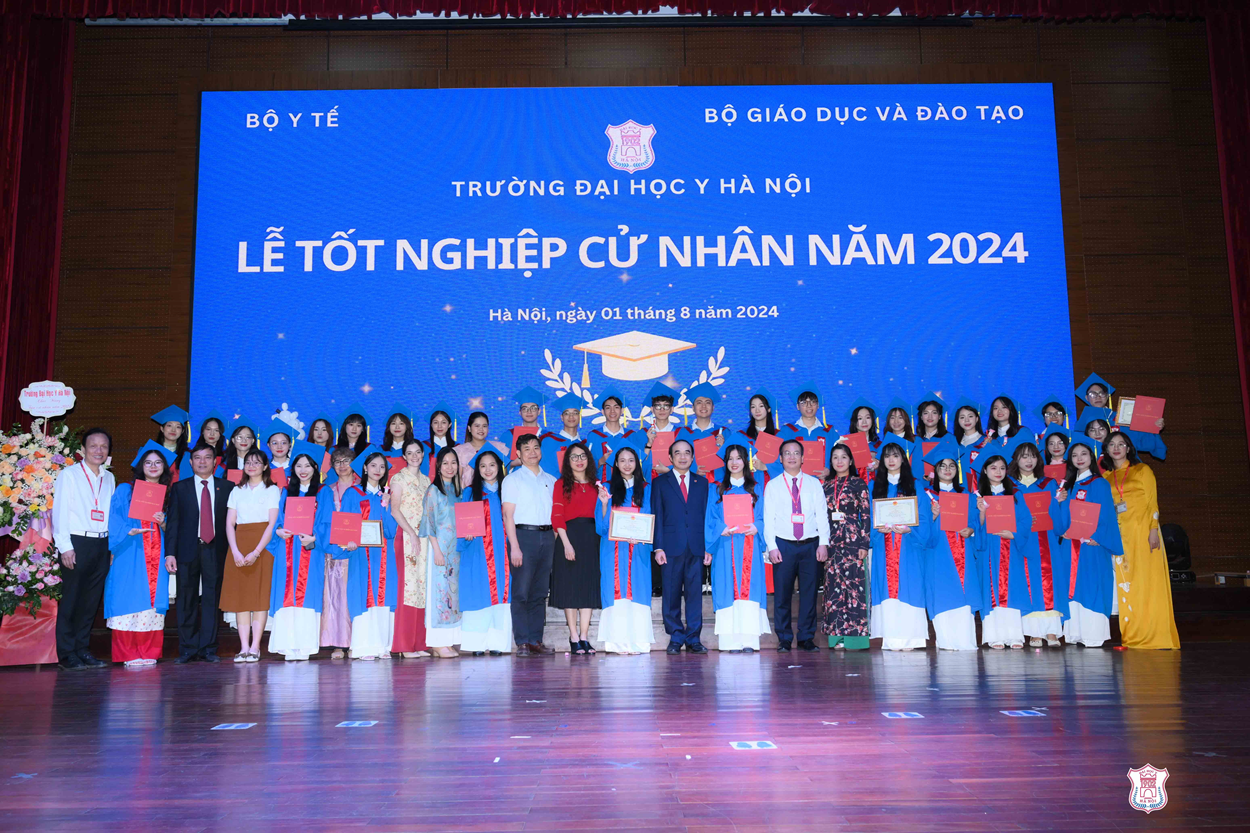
[(1143, 588)]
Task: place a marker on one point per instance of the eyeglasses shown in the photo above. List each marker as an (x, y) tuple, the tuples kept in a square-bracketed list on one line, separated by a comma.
[(577, 458)]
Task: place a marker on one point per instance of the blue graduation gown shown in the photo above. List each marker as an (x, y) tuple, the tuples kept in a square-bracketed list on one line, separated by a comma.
[(310, 563), (127, 588), (1143, 441), (1021, 554), (1049, 573), (915, 453), (945, 589), (601, 443), (911, 559), (763, 472), (364, 564), (1095, 573), (475, 580), (552, 442), (692, 433), (615, 558), (728, 553)]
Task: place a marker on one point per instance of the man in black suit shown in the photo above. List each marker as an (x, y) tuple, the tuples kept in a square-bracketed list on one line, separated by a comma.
[(196, 538), (679, 501)]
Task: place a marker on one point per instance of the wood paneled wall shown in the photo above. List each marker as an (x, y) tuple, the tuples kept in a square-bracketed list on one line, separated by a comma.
[(1148, 280)]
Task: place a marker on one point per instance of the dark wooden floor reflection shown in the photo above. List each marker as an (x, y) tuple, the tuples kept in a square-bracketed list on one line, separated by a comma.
[(572, 743)]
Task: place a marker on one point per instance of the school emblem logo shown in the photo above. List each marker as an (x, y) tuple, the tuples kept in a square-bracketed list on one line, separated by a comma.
[(629, 147), (1148, 793)]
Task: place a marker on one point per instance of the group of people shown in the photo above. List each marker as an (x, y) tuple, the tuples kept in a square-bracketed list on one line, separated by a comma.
[(475, 539)]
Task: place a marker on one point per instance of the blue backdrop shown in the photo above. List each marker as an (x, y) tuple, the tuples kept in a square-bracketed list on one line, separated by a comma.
[(876, 240)]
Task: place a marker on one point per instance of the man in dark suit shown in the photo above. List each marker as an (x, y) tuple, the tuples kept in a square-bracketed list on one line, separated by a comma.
[(196, 538), (678, 501)]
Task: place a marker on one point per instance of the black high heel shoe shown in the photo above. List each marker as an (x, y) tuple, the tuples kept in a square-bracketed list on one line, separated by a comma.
[(575, 647), (587, 648)]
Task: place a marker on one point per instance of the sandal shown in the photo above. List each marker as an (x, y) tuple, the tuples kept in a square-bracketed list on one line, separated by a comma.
[(1017, 646), (575, 647), (1035, 642), (587, 648), (997, 646), (1053, 642), (338, 654)]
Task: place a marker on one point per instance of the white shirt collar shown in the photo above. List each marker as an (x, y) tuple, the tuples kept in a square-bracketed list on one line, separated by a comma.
[(629, 483), (893, 478), (737, 481), (946, 487), (998, 489)]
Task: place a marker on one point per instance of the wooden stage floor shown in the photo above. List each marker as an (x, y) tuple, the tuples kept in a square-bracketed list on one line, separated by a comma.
[(621, 743)]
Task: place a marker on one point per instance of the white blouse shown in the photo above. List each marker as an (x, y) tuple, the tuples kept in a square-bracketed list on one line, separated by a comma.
[(252, 503)]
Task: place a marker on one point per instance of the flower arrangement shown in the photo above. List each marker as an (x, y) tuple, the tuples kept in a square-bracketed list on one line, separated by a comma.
[(27, 578)]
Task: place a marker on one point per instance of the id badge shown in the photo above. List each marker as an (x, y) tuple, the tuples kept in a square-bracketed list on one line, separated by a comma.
[(837, 516), (797, 519), (1121, 508), (97, 516)]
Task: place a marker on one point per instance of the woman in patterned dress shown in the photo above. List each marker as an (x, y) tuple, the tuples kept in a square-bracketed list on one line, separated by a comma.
[(438, 527), (845, 618), (408, 488)]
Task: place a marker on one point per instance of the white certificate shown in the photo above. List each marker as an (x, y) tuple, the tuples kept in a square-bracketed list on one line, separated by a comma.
[(370, 533), (1124, 414), (895, 511), (631, 526)]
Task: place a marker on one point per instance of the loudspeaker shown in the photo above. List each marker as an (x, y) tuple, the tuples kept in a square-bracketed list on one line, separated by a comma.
[(1176, 542)]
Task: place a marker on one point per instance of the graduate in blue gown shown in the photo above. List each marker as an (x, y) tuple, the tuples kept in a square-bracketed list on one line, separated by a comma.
[(1091, 587), (1048, 573), (810, 426), (298, 582), (1095, 394), (485, 575), (952, 568), (897, 424), (136, 591), (212, 432), (1054, 410), (898, 559), (371, 578), (704, 397), (278, 437), (739, 594), (1004, 421), (1007, 594), (554, 443), (930, 427), (612, 435), (624, 567), (395, 434), (761, 419), (173, 428), (442, 434), (662, 400)]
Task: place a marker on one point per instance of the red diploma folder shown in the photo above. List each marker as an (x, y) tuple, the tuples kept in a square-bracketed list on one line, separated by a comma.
[(767, 448), (1039, 508), (705, 455), (470, 519), (954, 511), (278, 476), (1084, 520), (394, 465), (1056, 471), (1000, 514), (660, 446), (519, 431), (235, 476), (146, 500), (739, 511), (1146, 409), (861, 455), (344, 528), (813, 456), (299, 515), (925, 447)]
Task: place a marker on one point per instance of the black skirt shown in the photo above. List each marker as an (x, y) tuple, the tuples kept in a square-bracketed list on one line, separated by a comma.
[(575, 584)]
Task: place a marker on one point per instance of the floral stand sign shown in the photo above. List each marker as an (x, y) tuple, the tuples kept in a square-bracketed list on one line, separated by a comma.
[(30, 578)]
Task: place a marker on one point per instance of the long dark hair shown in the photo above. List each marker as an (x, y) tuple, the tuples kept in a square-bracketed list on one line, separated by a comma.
[(266, 479), (941, 423), (314, 484), (1013, 468), (231, 458), (478, 489), (617, 484), (1105, 460), (166, 477), (1069, 480), (850, 472), (362, 442), (181, 445), (329, 446), (1090, 425), (219, 448), (748, 478), (984, 489), (451, 429), (1046, 452), (957, 485), (1013, 417), (566, 469), (908, 434), (438, 482), (872, 429), (958, 430), (770, 422), (906, 481), (364, 478), (389, 443)]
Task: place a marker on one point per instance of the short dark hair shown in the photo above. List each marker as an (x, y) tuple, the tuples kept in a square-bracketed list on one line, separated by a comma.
[(806, 395), (203, 446), (681, 440), (91, 431), (663, 397), (526, 439), (791, 441)]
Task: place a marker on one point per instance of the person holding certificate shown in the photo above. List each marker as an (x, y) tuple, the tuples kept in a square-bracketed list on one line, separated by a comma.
[(298, 581), (485, 581), (899, 534), (1095, 393), (810, 426), (442, 578), (1047, 574), (371, 562), (735, 535), (703, 397), (1090, 541), (1143, 584), (796, 532), (1007, 548), (136, 592), (336, 620), (845, 619), (251, 517), (623, 510), (862, 418), (952, 568)]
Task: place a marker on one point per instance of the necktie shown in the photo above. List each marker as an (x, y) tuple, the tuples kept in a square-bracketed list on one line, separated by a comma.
[(796, 507), (685, 495), (206, 515)]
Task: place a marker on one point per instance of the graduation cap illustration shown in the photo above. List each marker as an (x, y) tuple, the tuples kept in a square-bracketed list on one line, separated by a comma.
[(171, 414), (1082, 390), (152, 445), (634, 356), (1047, 401)]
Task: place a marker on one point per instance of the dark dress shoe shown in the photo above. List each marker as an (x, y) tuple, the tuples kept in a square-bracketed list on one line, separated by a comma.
[(496, 653), (783, 648), (673, 648), (183, 659), (90, 661), (71, 663), (747, 651), (211, 658), (523, 650), (479, 653), (808, 645), (696, 648), (540, 648)]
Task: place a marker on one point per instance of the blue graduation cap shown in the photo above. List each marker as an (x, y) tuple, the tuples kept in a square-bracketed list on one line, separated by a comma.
[(1022, 438), (398, 410), (1089, 442), (965, 402), (1091, 415), (1061, 401), (279, 426), (986, 454), (214, 414), (768, 397), (809, 387), (1015, 403), (529, 394), (1056, 429), (313, 451), (1092, 379), (242, 422), (171, 414), (610, 392), (358, 465), (704, 389), (355, 410), (568, 402), (151, 445), (946, 449), (660, 389), (861, 402), (931, 396), (451, 414)]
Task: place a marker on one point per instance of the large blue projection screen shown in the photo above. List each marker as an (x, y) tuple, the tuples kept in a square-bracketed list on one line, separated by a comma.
[(414, 247)]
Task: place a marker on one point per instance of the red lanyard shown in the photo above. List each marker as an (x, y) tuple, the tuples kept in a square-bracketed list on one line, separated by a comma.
[(94, 497), (837, 493), (1116, 482)]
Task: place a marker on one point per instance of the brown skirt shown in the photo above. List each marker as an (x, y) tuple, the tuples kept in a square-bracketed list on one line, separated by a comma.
[(246, 589)]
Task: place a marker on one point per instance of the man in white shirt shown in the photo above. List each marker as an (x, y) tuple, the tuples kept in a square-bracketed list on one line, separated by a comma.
[(82, 496), (796, 532), (526, 496)]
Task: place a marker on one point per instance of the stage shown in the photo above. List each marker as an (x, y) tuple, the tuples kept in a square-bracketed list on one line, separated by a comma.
[(647, 742)]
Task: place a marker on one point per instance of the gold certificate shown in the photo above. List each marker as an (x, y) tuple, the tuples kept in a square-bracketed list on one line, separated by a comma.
[(631, 526), (370, 533), (895, 511), (1124, 414)]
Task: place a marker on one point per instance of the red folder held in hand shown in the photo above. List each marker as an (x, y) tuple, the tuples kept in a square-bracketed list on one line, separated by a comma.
[(1084, 520), (767, 448), (299, 515), (954, 511), (659, 448), (705, 455), (235, 476), (1039, 508), (813, 456), (278, 476), (739, 511), (1146, 410), (519, 431), (1000, 514), (344, 528), (1056, 471), (861, 455), (470, 519), (146, 500)]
